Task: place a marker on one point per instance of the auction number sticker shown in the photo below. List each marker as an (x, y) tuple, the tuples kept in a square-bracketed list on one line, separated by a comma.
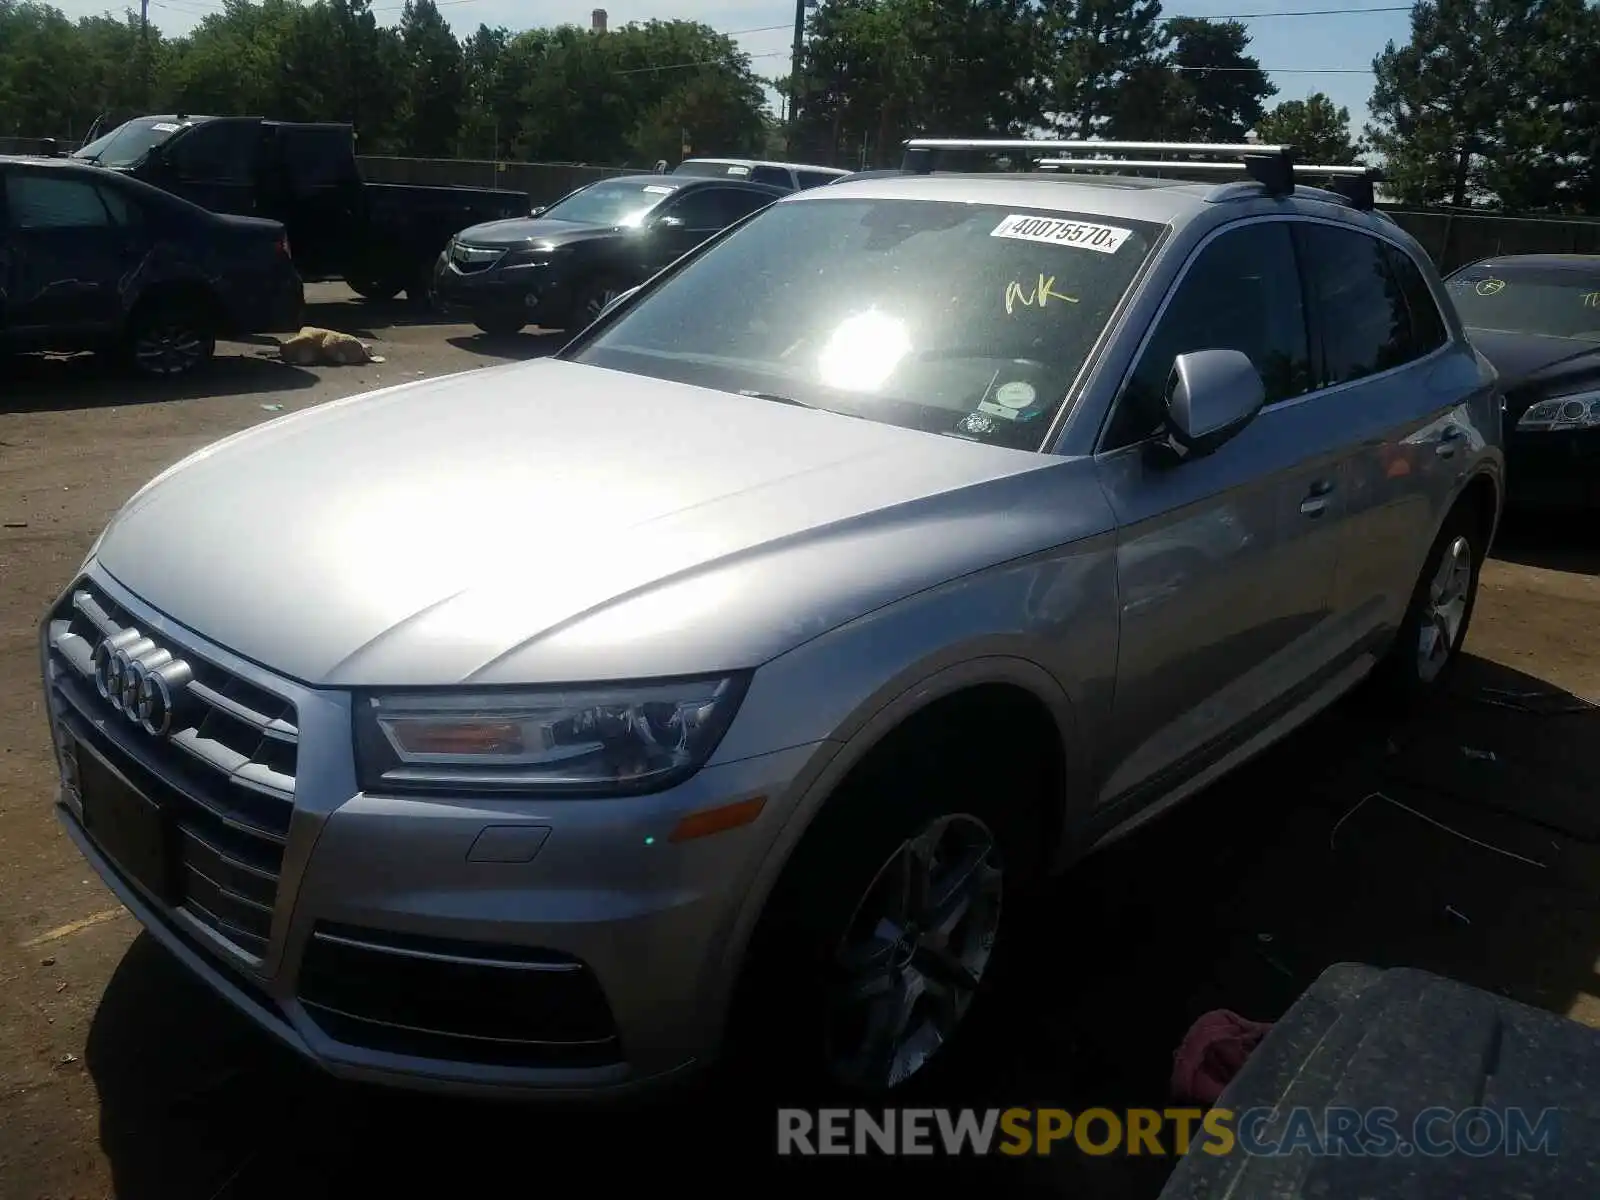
[(1053, 231)]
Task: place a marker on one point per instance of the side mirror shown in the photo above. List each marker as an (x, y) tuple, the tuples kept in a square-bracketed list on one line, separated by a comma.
[(537, 210), (1213, 394), (49, 148), (670, 223), (616, 302)]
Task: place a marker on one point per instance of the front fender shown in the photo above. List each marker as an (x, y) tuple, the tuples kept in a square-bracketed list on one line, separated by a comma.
[(1047, 624)]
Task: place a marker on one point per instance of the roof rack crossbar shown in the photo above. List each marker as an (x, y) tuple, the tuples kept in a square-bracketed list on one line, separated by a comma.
[(1270, 166)]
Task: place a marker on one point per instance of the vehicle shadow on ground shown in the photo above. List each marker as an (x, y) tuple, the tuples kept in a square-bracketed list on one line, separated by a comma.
[(1558, 542), (1460, 842), (366, 318), (52, 383), (529, 344)]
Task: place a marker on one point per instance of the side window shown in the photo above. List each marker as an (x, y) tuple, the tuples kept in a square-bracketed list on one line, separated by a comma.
[(740, 203), (1361, 312), (773, 175), (1241, 293), (811, 179), (123, 210), (219, 152), (316, 157), (45, 202), (1428, 331), (714, 207)]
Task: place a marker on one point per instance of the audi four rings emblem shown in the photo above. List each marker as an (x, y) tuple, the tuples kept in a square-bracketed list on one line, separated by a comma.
[(140, 679)]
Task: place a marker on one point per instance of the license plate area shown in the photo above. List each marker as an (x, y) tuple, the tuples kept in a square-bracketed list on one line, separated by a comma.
[(130, 829)]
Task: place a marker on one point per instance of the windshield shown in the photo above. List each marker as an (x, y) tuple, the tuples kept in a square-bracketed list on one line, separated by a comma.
[(1554, 301), (129, 142), (610, 202), (965, 319), (710, 166)]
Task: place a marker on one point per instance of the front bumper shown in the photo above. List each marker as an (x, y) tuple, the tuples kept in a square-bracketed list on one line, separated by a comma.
[(539, 294), (564, 948), (1553, 470)]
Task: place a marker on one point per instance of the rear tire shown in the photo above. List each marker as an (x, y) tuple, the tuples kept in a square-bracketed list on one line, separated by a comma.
[(1428, 646), (168, 339), (376, 290), (836, 948), (499, 324)]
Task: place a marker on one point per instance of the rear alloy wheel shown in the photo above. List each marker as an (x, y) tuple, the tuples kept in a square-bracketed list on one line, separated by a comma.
[(169, 342), (1431, 634), (499, 324), (915, 952), (592, 300)]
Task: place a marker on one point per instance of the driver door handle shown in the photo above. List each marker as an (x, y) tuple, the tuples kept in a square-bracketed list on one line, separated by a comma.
[(1316, 501), (1448, 440)]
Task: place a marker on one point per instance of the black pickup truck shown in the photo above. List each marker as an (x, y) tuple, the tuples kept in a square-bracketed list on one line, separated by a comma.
[(381, 238)]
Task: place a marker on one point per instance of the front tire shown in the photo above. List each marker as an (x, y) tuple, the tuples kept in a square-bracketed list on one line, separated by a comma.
[(168, 340), (868, 965), (1428, 646), (591, 300)]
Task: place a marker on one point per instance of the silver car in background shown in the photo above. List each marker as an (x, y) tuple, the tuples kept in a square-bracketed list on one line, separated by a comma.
[(714, 686)]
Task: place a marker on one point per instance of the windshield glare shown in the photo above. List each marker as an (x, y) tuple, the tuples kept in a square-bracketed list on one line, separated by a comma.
[(612, 202), (963, 319), (1557, 303), (128, 143)]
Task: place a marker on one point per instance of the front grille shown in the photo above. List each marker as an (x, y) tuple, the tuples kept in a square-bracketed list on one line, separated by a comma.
[(457, 1001), (222, 772), (469, 260)]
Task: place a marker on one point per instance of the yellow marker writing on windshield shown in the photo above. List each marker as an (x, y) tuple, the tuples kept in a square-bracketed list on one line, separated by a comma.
[(1039, 296), (1591, 299)]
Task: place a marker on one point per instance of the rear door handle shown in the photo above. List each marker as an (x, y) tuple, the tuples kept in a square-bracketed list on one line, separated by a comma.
[(1316, 501), (1446, 446)]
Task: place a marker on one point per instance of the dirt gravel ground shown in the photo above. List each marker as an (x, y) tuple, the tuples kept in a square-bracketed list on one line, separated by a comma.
[(121, 1077)]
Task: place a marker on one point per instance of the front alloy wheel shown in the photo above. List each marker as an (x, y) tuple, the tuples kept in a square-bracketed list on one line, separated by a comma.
[(914, 954)]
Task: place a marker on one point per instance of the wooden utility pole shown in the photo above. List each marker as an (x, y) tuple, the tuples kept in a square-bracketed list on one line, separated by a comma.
[(793, 131), (144, 54)]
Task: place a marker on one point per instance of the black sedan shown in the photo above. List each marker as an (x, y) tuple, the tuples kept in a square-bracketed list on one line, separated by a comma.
[(94, 260), (561, 266), (1536, 317)]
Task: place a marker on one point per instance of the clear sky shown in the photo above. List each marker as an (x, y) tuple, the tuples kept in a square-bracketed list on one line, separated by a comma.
[(1324, 46)]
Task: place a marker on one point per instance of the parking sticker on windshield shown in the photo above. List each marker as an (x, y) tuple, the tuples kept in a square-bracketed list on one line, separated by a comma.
[(657, 190), (1053, 231), (166, 127)]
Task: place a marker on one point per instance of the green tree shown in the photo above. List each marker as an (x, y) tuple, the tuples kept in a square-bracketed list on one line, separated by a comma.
[(1318, 129), (874, 72), (435, 81), (1486, 104), (1099, 51), (1221, 88)]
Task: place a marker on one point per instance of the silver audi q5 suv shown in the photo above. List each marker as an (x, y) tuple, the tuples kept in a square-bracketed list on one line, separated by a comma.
[(718, 682)]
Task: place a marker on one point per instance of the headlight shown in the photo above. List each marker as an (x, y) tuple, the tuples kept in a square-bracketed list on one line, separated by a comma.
[(1564, 412), (593, 741)]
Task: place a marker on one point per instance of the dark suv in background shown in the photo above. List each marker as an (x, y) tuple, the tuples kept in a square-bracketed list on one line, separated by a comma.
[(560, 267), (94, 260)]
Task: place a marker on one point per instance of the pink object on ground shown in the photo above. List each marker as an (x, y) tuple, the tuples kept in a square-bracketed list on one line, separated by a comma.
[(1211, 1054)]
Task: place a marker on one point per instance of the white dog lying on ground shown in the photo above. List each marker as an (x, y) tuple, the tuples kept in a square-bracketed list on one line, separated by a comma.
[(313, 347)]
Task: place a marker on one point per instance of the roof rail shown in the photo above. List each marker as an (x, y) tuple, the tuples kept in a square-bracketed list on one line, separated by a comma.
[(1272, 166)]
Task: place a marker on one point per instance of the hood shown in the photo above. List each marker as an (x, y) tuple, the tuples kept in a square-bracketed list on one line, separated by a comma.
[(520, 232), (1532, 359), (551, 522)]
